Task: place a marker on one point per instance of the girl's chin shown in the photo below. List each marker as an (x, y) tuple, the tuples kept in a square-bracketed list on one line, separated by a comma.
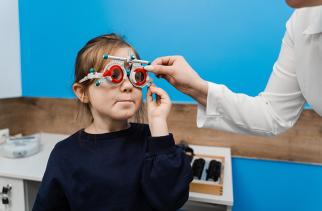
[(123, 115)]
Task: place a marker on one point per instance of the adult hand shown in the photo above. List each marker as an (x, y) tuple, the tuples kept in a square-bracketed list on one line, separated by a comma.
[(180, 74)]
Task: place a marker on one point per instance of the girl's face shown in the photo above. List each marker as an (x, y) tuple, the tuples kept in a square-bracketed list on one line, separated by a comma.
[(118, 102)]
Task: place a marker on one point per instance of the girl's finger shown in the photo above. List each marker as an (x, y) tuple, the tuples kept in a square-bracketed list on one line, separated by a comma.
[(158, 100), (160, 92), (149, 97), (162, 96)]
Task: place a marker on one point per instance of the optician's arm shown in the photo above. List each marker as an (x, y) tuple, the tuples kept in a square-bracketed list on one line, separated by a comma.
[(271, 112)]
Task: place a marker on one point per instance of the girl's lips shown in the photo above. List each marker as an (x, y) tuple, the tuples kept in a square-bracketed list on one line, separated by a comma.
[(125, 101)]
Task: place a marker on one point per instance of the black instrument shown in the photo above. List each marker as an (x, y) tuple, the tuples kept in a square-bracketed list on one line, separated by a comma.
[(214, 170), (197, 167)]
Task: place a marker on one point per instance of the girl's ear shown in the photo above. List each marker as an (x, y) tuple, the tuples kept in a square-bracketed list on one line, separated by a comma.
[(80, 92)]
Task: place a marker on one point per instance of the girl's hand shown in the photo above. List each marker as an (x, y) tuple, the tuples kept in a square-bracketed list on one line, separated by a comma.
[(158, 111)]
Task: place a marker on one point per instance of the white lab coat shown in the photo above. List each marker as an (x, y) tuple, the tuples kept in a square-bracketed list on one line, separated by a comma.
[(296, 79)]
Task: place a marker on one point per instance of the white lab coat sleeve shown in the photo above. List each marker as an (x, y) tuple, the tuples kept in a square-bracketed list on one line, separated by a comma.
[(272, 112)]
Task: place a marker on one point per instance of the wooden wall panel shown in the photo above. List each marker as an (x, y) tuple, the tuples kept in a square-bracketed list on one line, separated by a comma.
[(40, 115), (303, 143)]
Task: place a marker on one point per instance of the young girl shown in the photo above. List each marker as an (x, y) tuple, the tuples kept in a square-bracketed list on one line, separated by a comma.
[(113, 164)]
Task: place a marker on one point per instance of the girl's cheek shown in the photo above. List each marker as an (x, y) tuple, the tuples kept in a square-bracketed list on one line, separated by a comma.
[(138, 92), (139, 98)]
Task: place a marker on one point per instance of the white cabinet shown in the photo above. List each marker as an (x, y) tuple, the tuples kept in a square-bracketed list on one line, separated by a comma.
[(201, 201), (25, 174), (14, 197)]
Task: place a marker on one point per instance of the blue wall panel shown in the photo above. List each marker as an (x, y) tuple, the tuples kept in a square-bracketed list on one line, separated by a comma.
[(279, 186), (235, 43)]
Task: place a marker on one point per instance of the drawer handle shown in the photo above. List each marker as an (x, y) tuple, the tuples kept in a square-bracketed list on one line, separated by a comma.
[(4, 194)]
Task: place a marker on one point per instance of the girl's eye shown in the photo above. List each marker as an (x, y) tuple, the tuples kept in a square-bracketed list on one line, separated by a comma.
[(139, 76), (116, 74)]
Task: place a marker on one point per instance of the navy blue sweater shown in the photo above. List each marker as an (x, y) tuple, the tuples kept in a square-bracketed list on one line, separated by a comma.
[(119, 171)]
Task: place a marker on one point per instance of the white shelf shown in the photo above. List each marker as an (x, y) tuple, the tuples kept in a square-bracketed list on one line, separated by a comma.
[(227, 197), (33, 167)]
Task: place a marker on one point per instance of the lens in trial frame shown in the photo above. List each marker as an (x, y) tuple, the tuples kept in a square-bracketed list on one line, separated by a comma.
[(140, 76), (115, 72)]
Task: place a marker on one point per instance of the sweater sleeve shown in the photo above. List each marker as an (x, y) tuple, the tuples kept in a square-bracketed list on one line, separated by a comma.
[(51, 196), (166, 174)]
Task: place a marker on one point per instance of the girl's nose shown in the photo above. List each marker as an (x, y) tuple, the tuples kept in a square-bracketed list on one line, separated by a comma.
[(126, 85)]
